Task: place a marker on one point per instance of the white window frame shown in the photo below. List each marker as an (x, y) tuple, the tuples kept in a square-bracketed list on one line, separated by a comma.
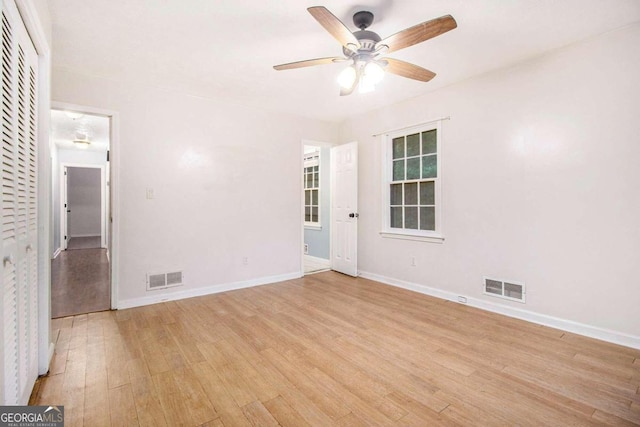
[(306, 160), (435, 236)]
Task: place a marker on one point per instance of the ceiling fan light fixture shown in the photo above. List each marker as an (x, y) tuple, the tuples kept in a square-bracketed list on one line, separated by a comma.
[(373, 72), (347, 77)]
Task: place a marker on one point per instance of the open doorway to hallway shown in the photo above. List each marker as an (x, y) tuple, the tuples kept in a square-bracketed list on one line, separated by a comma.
[(80, 281), (316, 210)]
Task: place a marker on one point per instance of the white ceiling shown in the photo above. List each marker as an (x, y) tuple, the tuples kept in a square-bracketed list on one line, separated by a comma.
[(225, 49), (65, 129)]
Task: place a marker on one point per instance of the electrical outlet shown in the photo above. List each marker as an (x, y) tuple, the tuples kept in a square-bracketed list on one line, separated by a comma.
[(245, 260), (150, 194), (413, 261), (306, 249), (462, 300)]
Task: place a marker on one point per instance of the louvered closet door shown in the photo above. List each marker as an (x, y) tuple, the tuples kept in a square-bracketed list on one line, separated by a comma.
[(19, 209)]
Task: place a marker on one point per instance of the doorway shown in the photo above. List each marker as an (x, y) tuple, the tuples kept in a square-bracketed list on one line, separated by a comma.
[(316, 209), (83, 207), (80, 268)]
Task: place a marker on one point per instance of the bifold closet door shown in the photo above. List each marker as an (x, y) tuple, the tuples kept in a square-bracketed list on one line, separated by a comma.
[(19, 308)]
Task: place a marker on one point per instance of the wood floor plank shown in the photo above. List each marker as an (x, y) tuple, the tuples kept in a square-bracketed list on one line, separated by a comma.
[(171, 399), (195, 398), (223, 403), (328, 349), (284, 414), (148, 406), (258, 415), (122, 406)]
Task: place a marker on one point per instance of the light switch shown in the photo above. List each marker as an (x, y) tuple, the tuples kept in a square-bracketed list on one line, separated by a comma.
[(149, 193)]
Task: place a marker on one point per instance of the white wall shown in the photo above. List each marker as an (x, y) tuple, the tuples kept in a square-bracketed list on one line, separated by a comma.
[(84, 201), (225, 178), (541, 184)]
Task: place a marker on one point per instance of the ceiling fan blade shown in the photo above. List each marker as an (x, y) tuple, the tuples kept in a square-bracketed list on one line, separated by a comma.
[(335, 27), (308, 63), (408, 70), (418, 33)]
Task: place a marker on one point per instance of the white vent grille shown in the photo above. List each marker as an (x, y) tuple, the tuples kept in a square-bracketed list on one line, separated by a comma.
[(510, 290), (164, 280), (174, 279)]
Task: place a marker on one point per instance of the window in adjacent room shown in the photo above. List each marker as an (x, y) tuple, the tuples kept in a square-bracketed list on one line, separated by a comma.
[(311, 179), (412, 194)]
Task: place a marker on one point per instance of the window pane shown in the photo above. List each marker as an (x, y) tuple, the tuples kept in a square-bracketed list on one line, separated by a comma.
[(411, 193), (413, 168), (307, 197), (314, 214), (309, 181), (413, 145), (428, 219), (307, 214), (396, 194), (429, 141), (429, 166), (398, 147), (316, 180), (411, 218), (398, 170), (314, 197), (315, 168), (427, 193), (396, 217)]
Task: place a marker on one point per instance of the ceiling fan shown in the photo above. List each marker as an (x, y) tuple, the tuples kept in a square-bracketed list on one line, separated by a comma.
[(364, 49)]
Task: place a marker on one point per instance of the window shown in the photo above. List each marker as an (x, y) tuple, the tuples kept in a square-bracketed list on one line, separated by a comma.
[(412, 183), (311, 181)]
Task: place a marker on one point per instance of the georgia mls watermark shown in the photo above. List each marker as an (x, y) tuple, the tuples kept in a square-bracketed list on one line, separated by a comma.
[(31, 416)]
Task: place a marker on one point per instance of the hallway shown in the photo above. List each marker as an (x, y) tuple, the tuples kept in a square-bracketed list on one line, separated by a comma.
[(79, 282)]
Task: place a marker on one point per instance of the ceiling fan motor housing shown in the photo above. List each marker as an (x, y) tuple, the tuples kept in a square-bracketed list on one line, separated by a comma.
[(363, 19), (367, 39)]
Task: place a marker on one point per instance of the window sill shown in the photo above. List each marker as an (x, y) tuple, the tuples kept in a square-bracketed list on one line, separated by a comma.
[(417, 238), (312, 227)]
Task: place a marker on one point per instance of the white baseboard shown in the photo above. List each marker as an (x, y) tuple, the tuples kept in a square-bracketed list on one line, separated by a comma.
[(56, 253), (608, 335), (85, 235), (156, 297)]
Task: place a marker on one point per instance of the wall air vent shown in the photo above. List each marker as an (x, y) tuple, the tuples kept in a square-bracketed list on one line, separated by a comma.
[(510, 290), (164, 280)]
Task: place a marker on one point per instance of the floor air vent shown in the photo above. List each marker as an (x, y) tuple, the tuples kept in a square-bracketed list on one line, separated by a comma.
[(510, 290), (164, 280)]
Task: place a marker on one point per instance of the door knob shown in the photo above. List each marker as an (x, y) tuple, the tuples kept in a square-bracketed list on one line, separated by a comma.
[(353, 215)]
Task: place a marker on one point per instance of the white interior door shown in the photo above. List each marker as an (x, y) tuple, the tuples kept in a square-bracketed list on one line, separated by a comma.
[(344, 215)]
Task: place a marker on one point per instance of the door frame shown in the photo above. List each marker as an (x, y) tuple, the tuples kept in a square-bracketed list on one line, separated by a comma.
[(301, 181), (64, 220), (113, 219)]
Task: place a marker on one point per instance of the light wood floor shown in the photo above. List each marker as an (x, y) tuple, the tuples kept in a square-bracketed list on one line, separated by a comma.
[(331, 350)]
